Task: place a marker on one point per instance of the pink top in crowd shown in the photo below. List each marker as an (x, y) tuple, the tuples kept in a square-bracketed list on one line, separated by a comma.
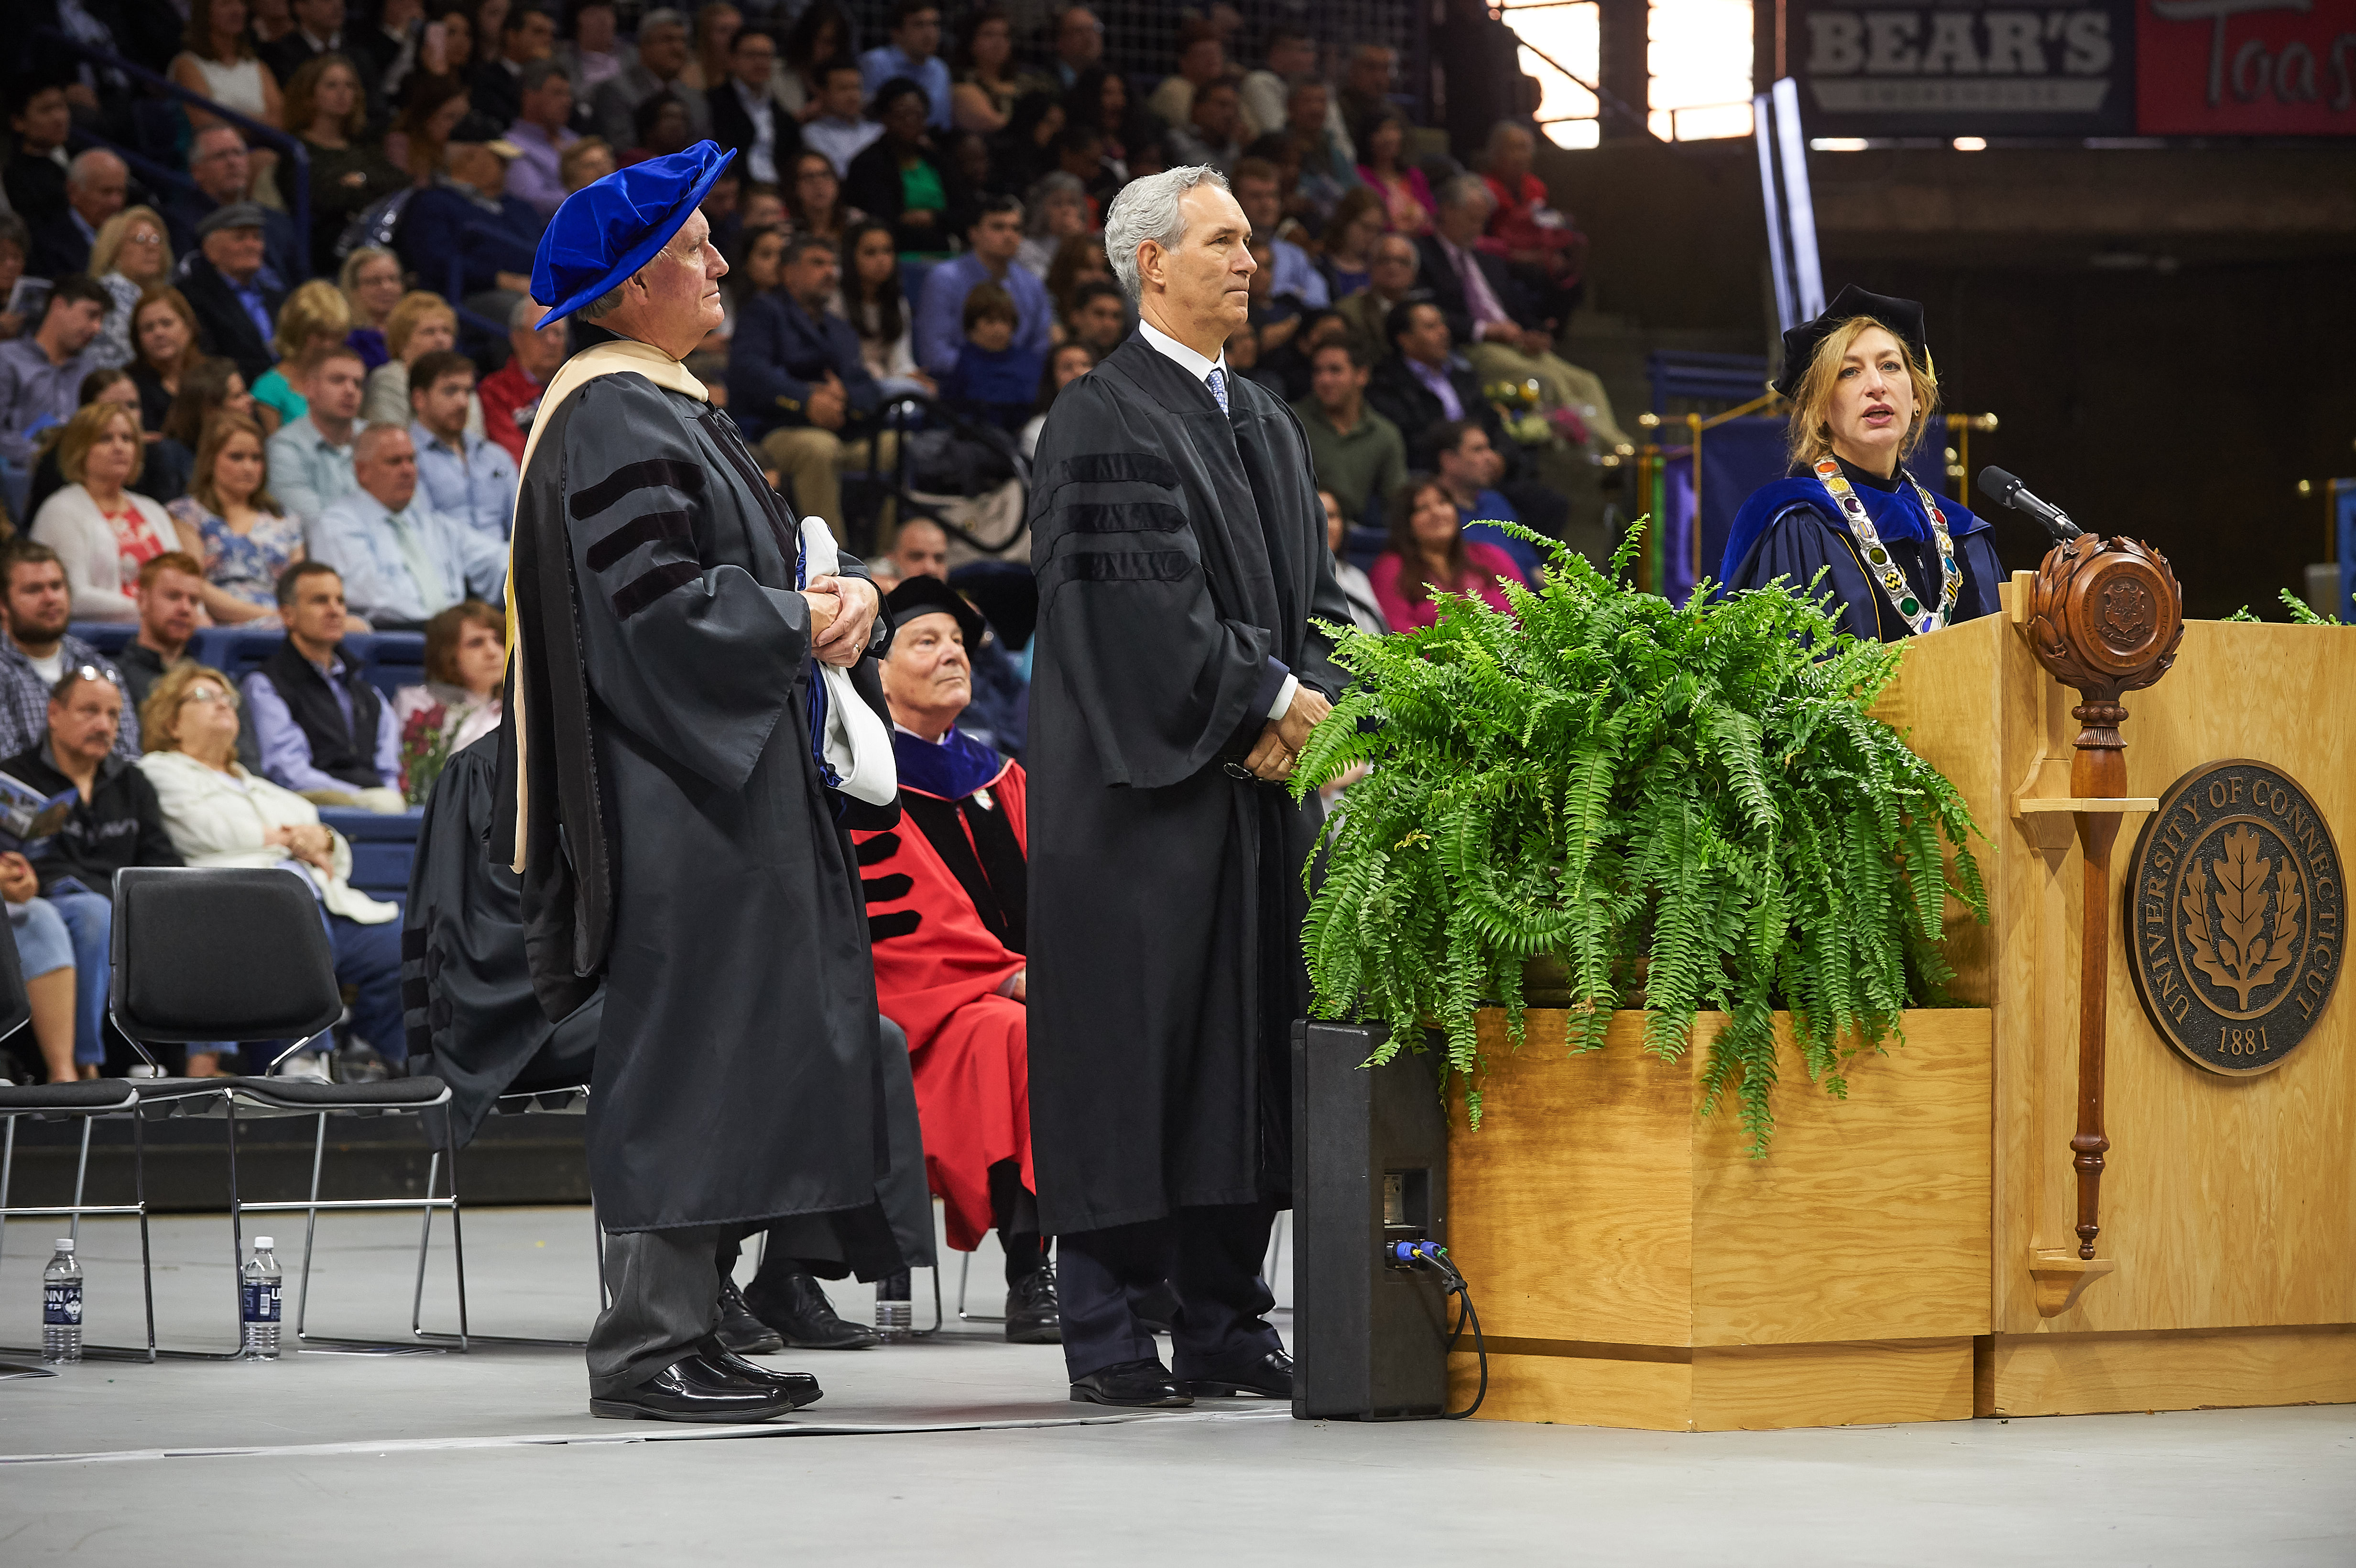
[(1489, 563)]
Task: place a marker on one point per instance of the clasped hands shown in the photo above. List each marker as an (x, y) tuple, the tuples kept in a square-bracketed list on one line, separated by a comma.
[(843, 614), (1278, 747), (306, 842)]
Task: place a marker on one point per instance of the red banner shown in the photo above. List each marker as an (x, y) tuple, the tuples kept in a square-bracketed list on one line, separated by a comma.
[(2246, 67)]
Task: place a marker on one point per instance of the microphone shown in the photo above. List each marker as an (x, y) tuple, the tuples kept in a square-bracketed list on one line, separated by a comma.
[(2010, 491)]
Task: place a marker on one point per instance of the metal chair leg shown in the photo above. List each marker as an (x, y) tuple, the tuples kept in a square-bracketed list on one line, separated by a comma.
[(424, 1237), (457, 1246), (82, 1176), (139, 1196), (236, 1234), (311, 1227), (965, 1272)]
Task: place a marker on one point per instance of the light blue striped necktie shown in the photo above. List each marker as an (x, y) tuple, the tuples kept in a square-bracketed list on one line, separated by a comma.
[(1218, 381)]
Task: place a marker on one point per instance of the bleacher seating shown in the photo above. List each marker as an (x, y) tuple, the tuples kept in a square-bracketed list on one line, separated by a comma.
[(383, 847), (391, 660)]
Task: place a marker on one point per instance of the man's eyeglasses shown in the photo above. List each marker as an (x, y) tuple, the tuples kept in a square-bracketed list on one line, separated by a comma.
[(96, 672)]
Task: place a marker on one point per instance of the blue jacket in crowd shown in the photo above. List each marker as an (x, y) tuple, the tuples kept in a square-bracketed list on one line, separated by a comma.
[(778, 352)]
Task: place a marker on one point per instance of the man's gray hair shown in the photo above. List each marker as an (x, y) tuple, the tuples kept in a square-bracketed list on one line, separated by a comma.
[(372, 436), (662, 17), (89, 160), (1147, 208), (524, 314), (1464, 190), (1056, 182)]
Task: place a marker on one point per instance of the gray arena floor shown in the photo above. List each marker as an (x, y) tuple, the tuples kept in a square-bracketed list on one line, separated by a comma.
[(964, 1449)]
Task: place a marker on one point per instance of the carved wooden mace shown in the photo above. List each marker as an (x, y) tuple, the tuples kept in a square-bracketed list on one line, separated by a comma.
[(2104, 618)]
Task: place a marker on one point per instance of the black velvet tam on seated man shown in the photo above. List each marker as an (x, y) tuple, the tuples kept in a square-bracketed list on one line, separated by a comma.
[(674, 829), (1180, 548)]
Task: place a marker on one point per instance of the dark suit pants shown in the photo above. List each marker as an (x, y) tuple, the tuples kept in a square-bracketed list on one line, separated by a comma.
[(1210, 1256), (665, 1287)]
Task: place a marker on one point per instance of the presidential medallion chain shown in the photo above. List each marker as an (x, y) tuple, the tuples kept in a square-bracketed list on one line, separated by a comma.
[(1881, 565)]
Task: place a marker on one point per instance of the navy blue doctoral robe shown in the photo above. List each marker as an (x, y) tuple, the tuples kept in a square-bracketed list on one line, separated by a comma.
[(1792, 528)]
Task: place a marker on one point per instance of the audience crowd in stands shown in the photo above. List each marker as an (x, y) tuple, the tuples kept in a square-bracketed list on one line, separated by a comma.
[(209, 417)]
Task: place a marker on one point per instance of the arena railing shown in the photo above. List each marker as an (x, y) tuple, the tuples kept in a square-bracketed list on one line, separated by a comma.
[(289, 146)]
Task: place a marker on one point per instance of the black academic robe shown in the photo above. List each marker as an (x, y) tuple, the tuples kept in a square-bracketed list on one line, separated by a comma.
[(1177, 549), (682, 843), (466, 989)]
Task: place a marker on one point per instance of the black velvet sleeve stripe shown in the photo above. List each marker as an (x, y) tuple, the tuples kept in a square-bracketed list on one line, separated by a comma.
[(899, 922), (641, 476), (1124, 566), (881, 848), (1113, 467), (412, 942), (644, 591), (653, 526), (1124, 517), (883, 890)]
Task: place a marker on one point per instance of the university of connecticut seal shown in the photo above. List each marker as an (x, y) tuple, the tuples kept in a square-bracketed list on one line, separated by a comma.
[(2235, 916)]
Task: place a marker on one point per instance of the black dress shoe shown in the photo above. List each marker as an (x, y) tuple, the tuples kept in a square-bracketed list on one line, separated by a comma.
[(1269, 1377), (739, 1331), (799, 1387), (695, 1388), (792, 1302), (1141, 1385), (1033, 1316)]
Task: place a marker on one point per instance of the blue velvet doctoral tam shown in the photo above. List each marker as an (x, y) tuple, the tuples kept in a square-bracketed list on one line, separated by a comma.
[(1792, 528)]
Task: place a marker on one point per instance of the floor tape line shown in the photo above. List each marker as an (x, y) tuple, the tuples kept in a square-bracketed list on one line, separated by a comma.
[(638, 1431)]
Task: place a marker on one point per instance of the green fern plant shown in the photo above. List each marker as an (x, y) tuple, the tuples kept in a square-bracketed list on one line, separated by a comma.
[(1690, 803)]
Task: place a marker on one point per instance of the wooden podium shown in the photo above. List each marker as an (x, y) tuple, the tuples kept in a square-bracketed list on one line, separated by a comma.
[(1912, 1254)]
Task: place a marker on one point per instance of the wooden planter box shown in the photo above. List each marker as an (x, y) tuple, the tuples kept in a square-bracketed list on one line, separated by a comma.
[(1633, 1266)]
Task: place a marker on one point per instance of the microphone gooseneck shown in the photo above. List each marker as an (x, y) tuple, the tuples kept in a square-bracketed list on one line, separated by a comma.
[(2008, 490)]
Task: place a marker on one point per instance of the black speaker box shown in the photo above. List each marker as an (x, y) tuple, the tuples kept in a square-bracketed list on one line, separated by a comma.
[(1370, 1168)]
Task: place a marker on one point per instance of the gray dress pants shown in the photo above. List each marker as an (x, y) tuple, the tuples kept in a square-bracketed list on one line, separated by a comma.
[(665, 1287)]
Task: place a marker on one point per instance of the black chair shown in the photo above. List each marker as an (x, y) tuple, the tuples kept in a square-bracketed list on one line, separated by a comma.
[(212, 953), (87, 1101)]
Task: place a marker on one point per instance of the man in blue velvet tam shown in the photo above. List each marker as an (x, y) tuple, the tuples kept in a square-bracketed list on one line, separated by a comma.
[(676, 834)]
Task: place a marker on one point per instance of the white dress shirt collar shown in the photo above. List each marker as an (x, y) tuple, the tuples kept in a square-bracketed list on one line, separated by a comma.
[(1194, 364)]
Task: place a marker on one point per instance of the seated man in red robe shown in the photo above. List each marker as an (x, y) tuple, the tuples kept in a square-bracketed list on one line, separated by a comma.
[(945, 912)]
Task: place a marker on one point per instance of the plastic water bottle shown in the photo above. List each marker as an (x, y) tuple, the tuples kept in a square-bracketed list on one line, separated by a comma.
[(894, 1315), (260, 1293), (61, 1307)]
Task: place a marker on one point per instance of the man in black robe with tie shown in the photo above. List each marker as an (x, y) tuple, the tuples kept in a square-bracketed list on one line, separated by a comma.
[(1180, 549)]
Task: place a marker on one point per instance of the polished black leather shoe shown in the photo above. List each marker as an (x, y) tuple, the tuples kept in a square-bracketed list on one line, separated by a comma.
[(1033, 1316), (739, 1331), (793, 1303), (799, 1387), (1145, 1384), (695, 1388), (1269, 1377)]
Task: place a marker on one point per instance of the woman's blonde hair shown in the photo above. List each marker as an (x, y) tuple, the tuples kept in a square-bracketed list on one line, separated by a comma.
[(117, 229), (217, 432), (414, 308), (160, 715), (82, 432), (1811, 438), (316, 309), (349, 278)]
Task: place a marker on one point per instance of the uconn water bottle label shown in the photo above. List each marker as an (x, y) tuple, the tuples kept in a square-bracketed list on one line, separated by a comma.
[(261, 1303), (62, 1304)]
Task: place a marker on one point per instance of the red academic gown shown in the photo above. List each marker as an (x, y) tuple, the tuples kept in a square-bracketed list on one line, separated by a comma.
[(944, 906)]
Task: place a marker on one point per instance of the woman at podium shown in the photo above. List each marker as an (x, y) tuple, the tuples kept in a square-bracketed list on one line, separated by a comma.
[(1898, 561)]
